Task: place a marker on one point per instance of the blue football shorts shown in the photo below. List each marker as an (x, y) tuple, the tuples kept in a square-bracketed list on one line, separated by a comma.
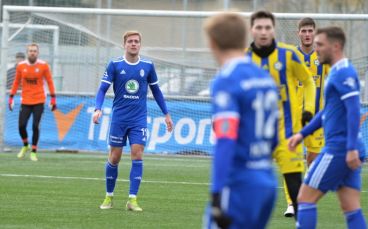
[(120, 133), (329, 172), (247, 206)]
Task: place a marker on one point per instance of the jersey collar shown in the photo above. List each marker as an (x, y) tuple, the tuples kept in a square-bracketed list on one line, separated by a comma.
[(139, 59)]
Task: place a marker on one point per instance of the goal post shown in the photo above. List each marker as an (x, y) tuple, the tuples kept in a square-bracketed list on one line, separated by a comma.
[(80, 47)]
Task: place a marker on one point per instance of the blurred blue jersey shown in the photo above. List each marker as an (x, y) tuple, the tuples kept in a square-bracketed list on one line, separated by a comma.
[(245, 110), (130, 83), (342, 83)]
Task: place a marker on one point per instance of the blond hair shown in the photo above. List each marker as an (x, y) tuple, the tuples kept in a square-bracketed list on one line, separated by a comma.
[(131, 33), (227, 30)]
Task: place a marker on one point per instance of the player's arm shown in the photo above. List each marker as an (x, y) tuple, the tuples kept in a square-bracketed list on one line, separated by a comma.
[(312, 126), (302, 73), (13, 91), (225, 125), (159, 97), (348, 88), (106, 81), (50, 84)]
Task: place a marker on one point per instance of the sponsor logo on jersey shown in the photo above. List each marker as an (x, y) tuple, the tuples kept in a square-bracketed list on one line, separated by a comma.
[(278, 66), (131, 97), (37, 70), (141, 72), (123, 72), (132, 86)]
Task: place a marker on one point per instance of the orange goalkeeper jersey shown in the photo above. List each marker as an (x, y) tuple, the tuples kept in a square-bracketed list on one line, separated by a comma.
[(32, 77)]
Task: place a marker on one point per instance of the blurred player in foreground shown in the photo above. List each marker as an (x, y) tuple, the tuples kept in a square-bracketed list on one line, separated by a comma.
[(130, 76), (284, 65), (245, 113), (338, 166), (31, 74)]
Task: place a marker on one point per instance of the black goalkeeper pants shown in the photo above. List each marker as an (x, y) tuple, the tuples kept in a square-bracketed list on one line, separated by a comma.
[(24, 115)]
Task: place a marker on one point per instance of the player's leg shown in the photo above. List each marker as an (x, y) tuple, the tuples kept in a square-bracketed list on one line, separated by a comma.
[(325, 173), (290, 209), (37, 111), (291, 165), (137, 139), (293, 182), (349, 196), (307, 207), (24, 114), (117, 139)]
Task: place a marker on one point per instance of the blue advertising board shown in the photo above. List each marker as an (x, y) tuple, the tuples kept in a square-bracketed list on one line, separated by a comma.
[(71, 126)]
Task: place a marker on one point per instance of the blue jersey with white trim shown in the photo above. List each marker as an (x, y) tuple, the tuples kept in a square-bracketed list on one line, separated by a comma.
[(130, 83), (244, 92), (341, 83)]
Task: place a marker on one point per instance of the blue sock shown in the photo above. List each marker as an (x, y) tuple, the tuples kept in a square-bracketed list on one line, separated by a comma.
[(135, 176), (111, 176), (355, 219), (307, 216)]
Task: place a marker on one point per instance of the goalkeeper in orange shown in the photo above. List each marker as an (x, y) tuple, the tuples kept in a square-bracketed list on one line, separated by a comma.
[(31, 75)]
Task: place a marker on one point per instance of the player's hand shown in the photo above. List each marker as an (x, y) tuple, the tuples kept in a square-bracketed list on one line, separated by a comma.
[(169, 123), (294, 141), (306, 117), (53, 103), (96, 116), (353, 160), (11, 102), (222, 220)]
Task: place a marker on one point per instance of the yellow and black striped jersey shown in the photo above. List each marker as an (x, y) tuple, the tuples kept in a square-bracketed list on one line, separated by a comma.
[(319, 73), (286, 68)]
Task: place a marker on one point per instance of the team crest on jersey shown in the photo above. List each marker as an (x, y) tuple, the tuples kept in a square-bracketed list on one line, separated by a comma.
[(141, 72), (37, 70), (278, 66), (132, 86), (316, 62), (350, 82), (221, 99)]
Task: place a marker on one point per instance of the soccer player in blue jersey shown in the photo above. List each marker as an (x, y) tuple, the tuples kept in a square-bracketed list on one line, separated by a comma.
[(338, 166), (245, 113), (130, 75), (287, 69)]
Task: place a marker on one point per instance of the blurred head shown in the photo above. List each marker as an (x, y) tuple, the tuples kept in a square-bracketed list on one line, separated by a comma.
[(262, 28), (226, 31), (329, 42), (32, 52), (132, 42), (306, 30), (19, 56)]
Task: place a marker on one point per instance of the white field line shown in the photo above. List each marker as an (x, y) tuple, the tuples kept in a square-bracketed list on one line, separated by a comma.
[(102, 179)]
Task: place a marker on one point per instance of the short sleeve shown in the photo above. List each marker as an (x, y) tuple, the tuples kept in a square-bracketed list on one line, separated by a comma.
[(108, 76), (347, 83), (152, 77), (224, 101)]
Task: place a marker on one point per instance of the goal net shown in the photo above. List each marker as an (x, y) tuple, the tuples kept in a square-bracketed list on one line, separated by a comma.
[(78, 43)]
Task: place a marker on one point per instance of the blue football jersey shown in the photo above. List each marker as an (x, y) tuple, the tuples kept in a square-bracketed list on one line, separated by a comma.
[(248, 94), (342, 83), (130, 83)]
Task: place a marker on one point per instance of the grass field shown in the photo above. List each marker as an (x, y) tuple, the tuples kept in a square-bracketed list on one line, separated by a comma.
[(65, 190)]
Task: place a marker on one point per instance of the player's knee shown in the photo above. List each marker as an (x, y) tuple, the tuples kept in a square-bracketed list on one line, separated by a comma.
[(115, 155), (349, 205), (136, 155)]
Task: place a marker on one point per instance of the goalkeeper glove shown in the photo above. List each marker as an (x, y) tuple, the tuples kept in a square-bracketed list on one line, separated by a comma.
[(53, 103), (306, 117), (222, 220), (11, 102)]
